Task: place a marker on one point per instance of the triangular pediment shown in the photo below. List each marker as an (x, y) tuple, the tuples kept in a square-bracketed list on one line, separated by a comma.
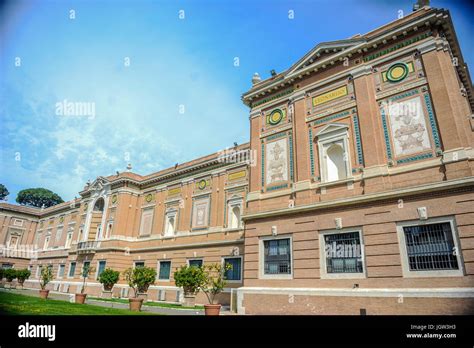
[(332, 128), (322, 51)]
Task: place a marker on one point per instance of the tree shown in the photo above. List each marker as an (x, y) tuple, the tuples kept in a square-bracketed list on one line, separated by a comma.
[(3, 192), (37, 197)]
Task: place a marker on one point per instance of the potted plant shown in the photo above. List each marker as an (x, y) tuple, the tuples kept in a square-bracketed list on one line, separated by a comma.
[(10, 275), (108, 278), (2, 275), (139, 279), (81, 297), (46, 277), (190, 278), (22, 275), (213, 285)]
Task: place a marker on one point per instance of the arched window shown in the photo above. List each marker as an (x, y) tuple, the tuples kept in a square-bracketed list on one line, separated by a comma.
[(99, 205), (335, 165), (170, 224), (234, 217)]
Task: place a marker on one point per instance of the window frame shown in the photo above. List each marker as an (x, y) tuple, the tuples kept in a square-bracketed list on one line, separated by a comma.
[(98, 265), (138, 261), (331, 134), (69, 270), (407, 273), (58, 276), (195, 259), (261, 261), (323, 274), (241, 268), (159, 268)]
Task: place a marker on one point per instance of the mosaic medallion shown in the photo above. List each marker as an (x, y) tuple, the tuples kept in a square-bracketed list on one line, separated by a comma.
[(275, 117), (397, 72)]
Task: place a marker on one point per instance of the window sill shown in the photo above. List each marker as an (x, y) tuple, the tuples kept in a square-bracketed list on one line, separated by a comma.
[(343, 276), (276, 276), (433, 274), (337, 182)]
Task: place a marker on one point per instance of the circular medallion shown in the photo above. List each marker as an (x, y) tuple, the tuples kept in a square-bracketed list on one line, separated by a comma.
[(114, 199), (275, 117), (202, 184), (61, 219), (397, 72), (148, 197)]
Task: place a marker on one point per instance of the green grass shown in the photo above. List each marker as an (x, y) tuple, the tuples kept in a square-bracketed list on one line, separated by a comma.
[(14, 304), (148, 303)]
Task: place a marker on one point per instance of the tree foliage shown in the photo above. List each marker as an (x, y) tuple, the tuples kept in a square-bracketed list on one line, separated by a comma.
[(109, 278), (37, 197), (3, 192), (140, 278), (190, 278)]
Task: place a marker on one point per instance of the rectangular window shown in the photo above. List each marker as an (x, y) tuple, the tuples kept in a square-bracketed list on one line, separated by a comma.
[(197, 263), (38, 271), (277, 256), (61, 271), (165, 269), (139, 264), (430, 247), (343, 253), (72, 269), (101, 267), (235, 272), (85, 267)]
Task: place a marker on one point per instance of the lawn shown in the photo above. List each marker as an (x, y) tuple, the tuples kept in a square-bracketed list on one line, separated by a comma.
[(14, 304), (149, 303)]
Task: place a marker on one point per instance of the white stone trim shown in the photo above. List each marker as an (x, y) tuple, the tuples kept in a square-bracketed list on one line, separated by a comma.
[(407, 273), (322, 255), (261, 257)]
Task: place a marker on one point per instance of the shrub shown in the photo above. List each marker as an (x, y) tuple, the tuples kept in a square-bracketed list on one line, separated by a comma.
[(10, 274), (140, 278), (46, 277), (109, 278), (190, 278), (22, 275), (214, 281), (2, 273)]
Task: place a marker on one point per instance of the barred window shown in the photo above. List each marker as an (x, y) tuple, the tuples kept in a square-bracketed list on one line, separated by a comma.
[(277, 256), (343, 253), (430, 247), (165, 270)]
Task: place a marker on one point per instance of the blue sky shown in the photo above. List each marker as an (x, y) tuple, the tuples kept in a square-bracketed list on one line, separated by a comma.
[(179, 98)]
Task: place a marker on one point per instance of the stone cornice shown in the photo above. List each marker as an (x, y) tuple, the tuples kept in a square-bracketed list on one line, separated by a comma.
[(439, 186)]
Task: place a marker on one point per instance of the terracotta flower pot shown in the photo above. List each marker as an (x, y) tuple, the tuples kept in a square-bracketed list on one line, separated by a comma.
[(212, 309), (81, 298), (44, 294), (135, 304)]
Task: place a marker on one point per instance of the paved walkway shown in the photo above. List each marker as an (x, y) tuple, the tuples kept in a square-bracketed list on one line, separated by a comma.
[(96, 302)]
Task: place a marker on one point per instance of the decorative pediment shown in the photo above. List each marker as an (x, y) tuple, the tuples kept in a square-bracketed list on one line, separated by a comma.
[(322, 50), (331, 129), (98, 184)]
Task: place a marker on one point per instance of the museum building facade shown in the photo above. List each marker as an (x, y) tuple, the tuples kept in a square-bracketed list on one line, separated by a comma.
[(355, 194)]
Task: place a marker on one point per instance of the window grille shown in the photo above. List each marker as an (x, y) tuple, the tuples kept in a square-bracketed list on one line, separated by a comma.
[(343, 253), (277, 256), (430, 247)]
